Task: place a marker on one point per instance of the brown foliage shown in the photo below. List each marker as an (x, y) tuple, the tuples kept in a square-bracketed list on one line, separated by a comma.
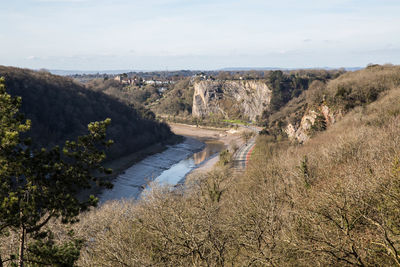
[(332, 201), (337, 206)]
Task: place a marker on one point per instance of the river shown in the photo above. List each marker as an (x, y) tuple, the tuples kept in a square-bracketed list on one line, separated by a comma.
[(168, 167)]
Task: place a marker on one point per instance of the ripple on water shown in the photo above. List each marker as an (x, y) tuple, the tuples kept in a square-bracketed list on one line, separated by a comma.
[(170, 164)]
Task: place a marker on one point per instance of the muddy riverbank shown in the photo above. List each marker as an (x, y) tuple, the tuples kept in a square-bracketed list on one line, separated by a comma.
[(197, 152)]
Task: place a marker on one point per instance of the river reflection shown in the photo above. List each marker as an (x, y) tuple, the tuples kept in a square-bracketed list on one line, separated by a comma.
[(211, 148), (168, 167), (177, 173)]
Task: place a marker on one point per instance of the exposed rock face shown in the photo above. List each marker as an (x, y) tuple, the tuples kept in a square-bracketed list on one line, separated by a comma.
[(230, 99), (206, 97), (302, 132), (328, 115)]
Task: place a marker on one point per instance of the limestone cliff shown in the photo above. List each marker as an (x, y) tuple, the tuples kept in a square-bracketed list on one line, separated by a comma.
[(303, 131), (230, 99)]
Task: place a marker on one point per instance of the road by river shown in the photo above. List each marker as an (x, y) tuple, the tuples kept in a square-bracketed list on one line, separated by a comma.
[(242, 156), (197, 152)]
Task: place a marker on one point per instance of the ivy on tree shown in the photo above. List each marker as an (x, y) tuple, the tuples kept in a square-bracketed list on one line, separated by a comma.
[(39, 185)]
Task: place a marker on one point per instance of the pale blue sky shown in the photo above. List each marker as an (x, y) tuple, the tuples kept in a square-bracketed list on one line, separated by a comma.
[(198, 34)]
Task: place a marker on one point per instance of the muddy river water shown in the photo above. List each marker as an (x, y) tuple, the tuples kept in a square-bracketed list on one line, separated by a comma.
[(168, 167)]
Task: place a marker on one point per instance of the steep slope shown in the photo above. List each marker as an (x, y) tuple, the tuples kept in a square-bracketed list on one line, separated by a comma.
[(256, 99), (176, 101), (325, 104), (325, 101), (231, 99), (332, 201), (60, 109)]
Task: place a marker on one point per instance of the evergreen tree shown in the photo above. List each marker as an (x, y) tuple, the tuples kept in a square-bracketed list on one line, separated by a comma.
[(39, 185)]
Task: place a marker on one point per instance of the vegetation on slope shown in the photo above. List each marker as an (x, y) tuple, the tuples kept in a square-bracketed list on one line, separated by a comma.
[(361, 87), (38, 185), (136, 96), (60, 109), (177, 101), (286, 86), (173, 99), (342, 94), (170, 98), (332, 201)]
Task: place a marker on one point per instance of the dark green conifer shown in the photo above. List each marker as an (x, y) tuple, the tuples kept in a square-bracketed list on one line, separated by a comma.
[(39, 185)]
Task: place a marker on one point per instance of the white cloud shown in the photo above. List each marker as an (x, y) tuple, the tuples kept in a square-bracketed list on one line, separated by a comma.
[(32, 58), (61, 1), (212, 33)]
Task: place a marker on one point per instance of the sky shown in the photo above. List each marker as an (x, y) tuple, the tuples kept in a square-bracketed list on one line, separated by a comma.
[(198, 34)]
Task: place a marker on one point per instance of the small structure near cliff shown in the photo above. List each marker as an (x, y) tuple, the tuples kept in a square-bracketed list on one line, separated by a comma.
[(231, 99)]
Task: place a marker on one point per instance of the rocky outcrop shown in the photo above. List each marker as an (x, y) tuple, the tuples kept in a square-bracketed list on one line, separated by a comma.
[(323, 114), (230, 99), (328, 116), (301, 134), (206, 97)]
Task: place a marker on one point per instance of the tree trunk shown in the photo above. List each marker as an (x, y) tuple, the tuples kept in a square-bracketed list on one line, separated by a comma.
[(21, 246), (1, 262)]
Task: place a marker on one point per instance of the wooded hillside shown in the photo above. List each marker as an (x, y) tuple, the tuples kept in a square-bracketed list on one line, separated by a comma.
[(61, 109), (331, 201)]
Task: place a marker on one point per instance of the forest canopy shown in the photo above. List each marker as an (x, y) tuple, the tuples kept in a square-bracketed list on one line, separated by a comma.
[(60, 109)]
